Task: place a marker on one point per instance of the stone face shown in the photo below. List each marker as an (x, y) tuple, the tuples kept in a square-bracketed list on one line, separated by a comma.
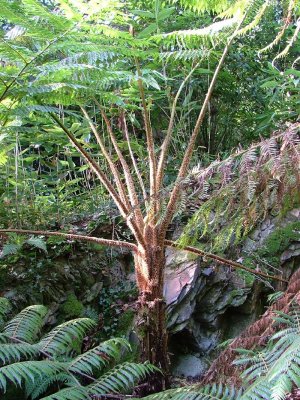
[(189, 366), (208, 304), (197, 297)]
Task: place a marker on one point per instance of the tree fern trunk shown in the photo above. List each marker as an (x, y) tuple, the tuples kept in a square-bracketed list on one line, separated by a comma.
[(151, 321)]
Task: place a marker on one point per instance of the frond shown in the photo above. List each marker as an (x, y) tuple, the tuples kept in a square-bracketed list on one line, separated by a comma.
[(73, 393), (38, 243), (99, 356), (10, 249), (275, 369), (202, 6), (27, 324), (259, 390), (66, 336), (28, 371), (121, 378), (11, 353), (244, 186), (196, 392), (209, 36), (256, 10), (290, 42), (35, 389)]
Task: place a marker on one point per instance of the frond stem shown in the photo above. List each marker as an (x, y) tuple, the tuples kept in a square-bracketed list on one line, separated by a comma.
[(128, 176), (191, 145), (73, 236), (223, 261), (167, 140), (114, 170), (126, 214), (150, 143)]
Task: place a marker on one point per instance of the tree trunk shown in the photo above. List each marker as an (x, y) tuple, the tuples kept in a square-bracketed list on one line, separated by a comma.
[(151, 322)]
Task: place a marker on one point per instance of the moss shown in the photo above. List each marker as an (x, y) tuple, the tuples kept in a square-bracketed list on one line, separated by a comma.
[(235, 293), (279, 241), (246, 276), (290, 201), (125, 322), (72, 306), (276, 243)]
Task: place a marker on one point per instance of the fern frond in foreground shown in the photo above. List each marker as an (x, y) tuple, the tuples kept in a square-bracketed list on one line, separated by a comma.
[(53, 363)]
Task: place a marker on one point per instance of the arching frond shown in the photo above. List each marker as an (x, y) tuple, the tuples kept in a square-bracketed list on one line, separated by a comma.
[(11, 353), (121, 378), (27, 324), (35, 389), (28, 371), (73, 393), (196, 392), (99, 356), (65, 337), (274, 370)]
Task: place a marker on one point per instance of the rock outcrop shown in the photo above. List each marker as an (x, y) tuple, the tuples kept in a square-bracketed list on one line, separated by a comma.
[(208, 304)]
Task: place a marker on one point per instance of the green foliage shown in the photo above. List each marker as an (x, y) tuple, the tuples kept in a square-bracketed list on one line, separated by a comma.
[(115, 320), (218, 392), (12, 247), (72, 307), (55, 363), (125, 322)]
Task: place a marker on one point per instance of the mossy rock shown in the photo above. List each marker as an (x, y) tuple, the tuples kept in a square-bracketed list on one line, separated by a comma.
[(72, 307), (279, 241)]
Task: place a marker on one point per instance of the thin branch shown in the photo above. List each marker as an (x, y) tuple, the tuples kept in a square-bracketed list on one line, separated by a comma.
[(134, 163), (150, 141), (72, 236), (126, 214), (223, 261), (114, 170), (191, 145), (166, 142), (127, 174)]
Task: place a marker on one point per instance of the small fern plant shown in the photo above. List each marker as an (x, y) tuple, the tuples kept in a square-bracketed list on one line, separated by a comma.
[(271, 373), (53, 367)]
